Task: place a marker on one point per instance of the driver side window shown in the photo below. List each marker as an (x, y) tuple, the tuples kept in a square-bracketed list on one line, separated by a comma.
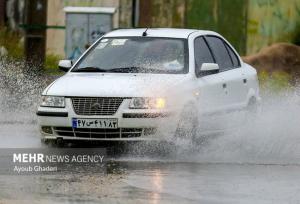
[(202, 54)]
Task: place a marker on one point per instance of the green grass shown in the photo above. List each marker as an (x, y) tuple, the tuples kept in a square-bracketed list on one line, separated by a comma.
[(13, 43), (276, 82), (51, 64)]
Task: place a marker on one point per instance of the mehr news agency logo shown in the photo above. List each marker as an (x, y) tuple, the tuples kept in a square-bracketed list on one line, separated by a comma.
[(40, 162)]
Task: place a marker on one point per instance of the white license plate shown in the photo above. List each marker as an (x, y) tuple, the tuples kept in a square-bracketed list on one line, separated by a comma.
[(109, 123)]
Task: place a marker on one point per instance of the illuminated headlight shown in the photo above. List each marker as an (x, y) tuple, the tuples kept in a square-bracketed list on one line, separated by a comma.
[(147, 103), (53, 101)]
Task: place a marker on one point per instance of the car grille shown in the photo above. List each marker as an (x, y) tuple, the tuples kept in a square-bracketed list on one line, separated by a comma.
[(96, 106), (99, 133)]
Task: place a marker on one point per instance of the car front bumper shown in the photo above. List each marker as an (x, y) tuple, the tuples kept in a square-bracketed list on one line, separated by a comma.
[(133, 124)]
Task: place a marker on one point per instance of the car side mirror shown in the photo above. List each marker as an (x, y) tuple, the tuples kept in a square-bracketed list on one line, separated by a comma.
[(65, 65), (210, 67)]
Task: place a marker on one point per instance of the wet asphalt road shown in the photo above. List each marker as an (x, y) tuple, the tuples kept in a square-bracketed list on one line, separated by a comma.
[(146, 179)]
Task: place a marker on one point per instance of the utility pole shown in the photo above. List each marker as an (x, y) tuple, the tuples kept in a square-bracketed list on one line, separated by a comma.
[(35, 33), (2, 12)]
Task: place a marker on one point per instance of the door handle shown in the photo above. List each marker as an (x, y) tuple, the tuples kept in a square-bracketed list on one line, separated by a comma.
[(245, 81), (224, 86)]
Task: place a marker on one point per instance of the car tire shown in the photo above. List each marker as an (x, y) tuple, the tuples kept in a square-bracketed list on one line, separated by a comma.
[(53, 143), (48, 142), (252, 106), (252, 110), (187, 126), (60, 142)]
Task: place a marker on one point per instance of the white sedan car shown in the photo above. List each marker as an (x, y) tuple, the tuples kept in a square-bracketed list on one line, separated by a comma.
[(142, 84)]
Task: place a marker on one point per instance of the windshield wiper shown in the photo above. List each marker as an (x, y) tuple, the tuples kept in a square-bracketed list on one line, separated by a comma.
[(126, 69), (90, 69), (132, 70)]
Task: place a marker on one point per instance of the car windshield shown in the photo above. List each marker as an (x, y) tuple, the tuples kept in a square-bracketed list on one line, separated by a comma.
[(136, 55)]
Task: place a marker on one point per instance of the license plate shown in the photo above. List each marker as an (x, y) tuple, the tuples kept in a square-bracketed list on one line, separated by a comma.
[(109, 123)]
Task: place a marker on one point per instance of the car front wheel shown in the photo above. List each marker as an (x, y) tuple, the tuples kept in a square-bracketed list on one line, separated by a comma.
[(188, 124)]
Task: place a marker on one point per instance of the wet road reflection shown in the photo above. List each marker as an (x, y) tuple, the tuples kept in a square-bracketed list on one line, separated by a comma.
[(159, 182), (146, 179)]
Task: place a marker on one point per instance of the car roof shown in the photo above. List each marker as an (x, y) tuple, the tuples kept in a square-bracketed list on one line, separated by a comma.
[(158, 32)]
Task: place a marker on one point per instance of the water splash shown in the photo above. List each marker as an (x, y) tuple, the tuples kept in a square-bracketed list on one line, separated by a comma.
[(19, 91), (273, 136), (19, 97)]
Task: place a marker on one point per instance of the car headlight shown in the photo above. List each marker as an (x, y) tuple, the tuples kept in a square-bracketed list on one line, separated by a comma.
[(147, 103), (53, 101)]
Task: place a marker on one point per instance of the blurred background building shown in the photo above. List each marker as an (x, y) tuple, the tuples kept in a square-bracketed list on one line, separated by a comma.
[(248, 24)]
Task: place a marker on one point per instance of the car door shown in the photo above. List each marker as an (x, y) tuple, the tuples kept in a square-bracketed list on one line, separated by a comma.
[(211, 95), (241, 87), (233, 87)]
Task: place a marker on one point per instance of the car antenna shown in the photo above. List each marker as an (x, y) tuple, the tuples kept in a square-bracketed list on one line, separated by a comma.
[(145, 32)]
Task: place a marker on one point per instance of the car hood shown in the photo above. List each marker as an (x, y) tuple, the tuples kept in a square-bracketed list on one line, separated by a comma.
[(114, 85)]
